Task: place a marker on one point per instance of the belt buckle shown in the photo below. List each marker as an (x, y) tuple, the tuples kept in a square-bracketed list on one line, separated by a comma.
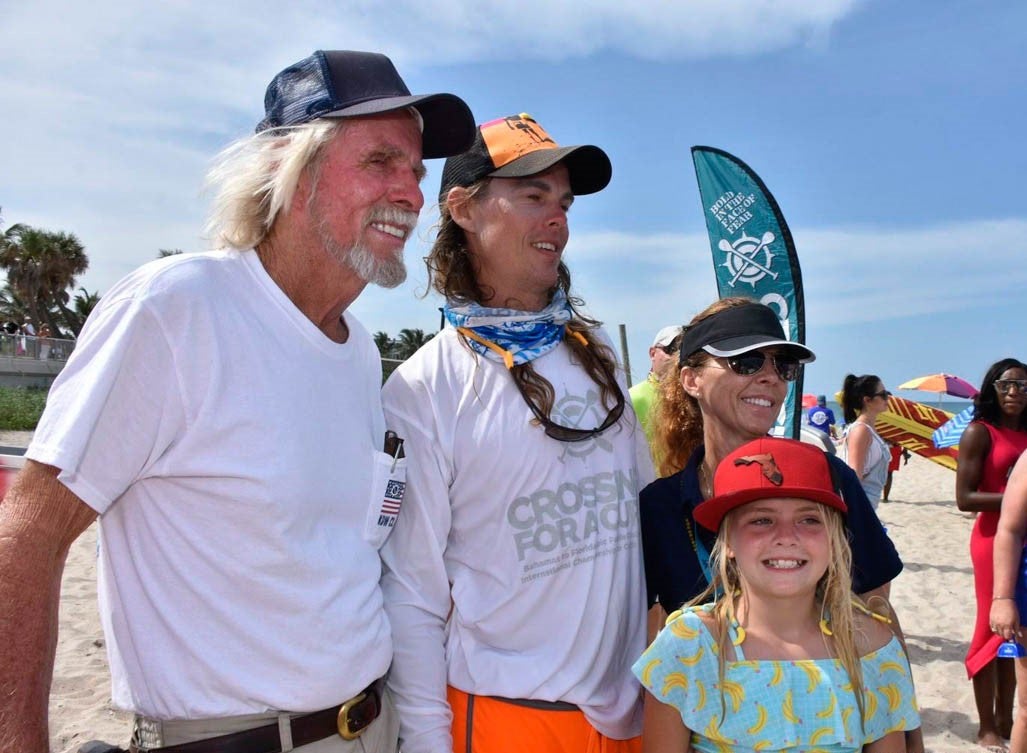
[(342, 722)]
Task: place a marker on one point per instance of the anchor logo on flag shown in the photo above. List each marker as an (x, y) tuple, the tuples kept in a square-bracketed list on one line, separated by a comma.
[(743, 258)]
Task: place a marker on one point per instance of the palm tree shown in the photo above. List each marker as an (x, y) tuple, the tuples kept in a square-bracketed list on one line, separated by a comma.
[(41, 265), (384, 344), (12, 308), (409, 341), (82, 306)]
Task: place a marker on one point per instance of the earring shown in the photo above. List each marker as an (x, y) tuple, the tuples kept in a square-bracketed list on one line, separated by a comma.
[(739, 632), (825, 623)]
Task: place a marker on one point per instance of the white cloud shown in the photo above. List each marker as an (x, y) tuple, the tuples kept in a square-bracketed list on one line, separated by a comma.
[(855, 279), (114, 108), (873, 274), (858, 283), (651, 29), (144, 39), (852, 275)]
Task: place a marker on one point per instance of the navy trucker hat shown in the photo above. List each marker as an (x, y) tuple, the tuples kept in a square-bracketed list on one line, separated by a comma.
[(349, 84)]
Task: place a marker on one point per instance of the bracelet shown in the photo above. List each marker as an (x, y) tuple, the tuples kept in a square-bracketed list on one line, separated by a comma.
[(1003, 598)]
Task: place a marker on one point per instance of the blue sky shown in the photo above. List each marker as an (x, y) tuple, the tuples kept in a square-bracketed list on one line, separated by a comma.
[(891, 134)]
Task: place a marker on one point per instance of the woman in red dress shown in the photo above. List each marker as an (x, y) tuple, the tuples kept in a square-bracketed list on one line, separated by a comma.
[(988, 450)]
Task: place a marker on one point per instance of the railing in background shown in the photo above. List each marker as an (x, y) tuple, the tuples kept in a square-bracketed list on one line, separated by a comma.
[(38, 348)]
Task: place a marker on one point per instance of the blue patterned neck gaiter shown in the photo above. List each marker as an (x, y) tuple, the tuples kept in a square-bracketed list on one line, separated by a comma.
[(526, 335)]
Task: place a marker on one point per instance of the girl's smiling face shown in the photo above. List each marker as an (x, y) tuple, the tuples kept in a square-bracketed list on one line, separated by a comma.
[(781, 547)]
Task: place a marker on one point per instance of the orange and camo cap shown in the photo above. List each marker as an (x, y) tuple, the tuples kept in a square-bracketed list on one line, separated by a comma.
[(517, 146)]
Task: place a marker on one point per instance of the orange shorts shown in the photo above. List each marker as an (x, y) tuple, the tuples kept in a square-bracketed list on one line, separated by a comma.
[(482, 724)]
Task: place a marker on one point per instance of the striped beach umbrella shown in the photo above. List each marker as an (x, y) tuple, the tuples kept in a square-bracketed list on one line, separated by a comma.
[(947, 384), (948, 434)]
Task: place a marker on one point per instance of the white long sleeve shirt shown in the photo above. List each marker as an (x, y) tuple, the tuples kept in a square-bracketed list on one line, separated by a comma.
[(515, 568)]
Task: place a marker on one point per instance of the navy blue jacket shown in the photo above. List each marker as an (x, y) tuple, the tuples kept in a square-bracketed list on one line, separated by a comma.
[(672, 572)]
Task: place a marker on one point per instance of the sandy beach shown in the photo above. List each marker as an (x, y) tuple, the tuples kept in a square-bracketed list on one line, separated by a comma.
[(933, 597)]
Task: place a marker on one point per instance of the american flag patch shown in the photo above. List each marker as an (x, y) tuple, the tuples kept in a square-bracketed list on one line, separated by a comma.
[(392, 502)]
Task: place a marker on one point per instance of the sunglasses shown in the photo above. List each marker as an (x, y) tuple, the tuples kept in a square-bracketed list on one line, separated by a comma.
[(1005, 386), (882, 394), (552, 429), (562, 433), (747, 364)]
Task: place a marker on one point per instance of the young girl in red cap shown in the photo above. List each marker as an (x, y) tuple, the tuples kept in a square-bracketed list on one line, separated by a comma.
[(784, 657)]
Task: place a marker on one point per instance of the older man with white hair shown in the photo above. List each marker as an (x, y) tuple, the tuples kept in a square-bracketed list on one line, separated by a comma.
[(221, 416)]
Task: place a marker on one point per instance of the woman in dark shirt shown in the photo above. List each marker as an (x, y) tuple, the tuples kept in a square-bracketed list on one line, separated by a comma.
[(733, 373)]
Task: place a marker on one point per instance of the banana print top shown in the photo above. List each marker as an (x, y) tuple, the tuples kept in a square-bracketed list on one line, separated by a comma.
[(768, 705)]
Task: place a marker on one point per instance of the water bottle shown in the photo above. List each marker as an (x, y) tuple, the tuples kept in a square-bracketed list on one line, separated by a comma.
[(1012, 649)]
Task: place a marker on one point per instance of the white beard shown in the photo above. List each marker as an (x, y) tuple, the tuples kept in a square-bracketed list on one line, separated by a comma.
[(387, 272)]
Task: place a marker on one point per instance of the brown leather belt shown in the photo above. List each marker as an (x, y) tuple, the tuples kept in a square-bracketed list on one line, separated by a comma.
[(348, 720)]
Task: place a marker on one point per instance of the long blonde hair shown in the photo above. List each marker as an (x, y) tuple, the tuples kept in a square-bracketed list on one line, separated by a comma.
[(833, 597), (255, 178)]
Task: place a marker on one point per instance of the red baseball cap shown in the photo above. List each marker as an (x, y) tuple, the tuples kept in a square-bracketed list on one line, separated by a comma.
[(769, 468)]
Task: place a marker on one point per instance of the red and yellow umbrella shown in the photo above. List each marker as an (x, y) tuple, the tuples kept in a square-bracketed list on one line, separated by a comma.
[(943, 383)]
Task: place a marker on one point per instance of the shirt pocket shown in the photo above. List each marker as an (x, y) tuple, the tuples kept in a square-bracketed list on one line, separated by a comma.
[(388, 485)]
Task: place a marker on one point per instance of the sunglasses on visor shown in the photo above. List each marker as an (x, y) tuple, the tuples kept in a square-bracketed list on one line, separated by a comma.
[(747, 364)]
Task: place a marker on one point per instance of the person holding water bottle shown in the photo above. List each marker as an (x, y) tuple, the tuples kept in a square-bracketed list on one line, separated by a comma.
[(1009, 593), (989, 447)]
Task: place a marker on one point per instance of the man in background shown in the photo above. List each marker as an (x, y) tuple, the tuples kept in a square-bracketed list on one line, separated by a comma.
[(663, 354), (821, 418)]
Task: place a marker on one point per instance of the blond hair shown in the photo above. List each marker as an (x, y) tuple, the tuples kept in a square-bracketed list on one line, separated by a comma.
[(833, 597), (255, 178)]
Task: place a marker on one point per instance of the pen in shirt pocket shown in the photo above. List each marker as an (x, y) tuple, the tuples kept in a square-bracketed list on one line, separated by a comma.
[(393, 446)]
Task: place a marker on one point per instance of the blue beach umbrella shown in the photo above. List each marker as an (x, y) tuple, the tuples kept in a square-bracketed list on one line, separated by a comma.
[(948, 434)]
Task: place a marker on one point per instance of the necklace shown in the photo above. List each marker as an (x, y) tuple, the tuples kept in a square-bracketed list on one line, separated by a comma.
[(702, 556), (705, 487)]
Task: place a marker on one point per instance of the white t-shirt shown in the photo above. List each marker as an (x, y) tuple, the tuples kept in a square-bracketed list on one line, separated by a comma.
[(537, 541), (229, 447)]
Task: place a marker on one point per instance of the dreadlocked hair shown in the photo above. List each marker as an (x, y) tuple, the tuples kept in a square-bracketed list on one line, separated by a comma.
[(677, 419), (833, 596), (452, 274)]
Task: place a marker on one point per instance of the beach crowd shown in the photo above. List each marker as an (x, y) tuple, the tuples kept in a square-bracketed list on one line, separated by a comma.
[(505, 548)]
